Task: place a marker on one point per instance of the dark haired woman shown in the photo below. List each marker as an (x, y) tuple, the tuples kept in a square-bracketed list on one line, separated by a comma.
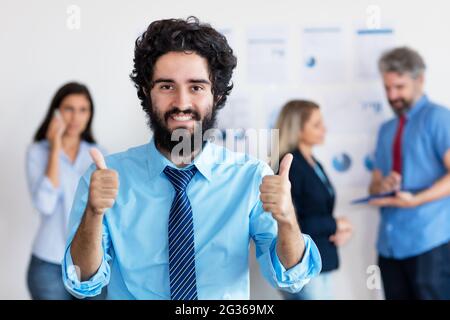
[(55, 162)]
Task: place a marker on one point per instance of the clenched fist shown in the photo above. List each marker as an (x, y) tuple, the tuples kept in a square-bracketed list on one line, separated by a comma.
[(276, 193), (104, 185)]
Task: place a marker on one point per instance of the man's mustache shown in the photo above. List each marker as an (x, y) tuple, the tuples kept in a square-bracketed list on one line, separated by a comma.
[(195, 114), (403, 101)]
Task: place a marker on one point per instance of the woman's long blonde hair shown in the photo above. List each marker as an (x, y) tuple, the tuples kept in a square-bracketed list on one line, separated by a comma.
[(291, 120)]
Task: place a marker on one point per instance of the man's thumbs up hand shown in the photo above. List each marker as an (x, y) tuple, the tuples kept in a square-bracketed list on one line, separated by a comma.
[(98, 158), (276, 193), (104, 184), (285, 166)]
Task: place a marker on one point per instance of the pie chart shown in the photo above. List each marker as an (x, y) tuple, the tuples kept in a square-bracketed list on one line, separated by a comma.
[(311, 62), (342, 162), (369, 162)]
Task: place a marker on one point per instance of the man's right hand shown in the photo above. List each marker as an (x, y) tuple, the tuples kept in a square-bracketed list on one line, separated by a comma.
[(104, 185), (391, 183)]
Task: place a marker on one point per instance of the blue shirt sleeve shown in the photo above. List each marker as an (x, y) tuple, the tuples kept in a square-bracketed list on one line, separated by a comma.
[(70, 274), (44, 195), (440, 127), (263, 230)]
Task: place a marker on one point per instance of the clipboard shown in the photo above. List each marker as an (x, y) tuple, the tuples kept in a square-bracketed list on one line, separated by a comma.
[(382, 195), (372, 197)]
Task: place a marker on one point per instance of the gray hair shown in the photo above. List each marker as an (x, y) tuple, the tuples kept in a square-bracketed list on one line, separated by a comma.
[(402, 60)]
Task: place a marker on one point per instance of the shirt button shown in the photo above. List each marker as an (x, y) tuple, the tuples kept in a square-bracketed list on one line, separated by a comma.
[(389, 227)]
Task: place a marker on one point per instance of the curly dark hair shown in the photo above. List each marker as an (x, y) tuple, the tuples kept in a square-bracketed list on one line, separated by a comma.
[(163, 36)]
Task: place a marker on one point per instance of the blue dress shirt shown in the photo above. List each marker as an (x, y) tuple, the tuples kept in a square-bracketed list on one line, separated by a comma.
[(407, 232), (224, 195)]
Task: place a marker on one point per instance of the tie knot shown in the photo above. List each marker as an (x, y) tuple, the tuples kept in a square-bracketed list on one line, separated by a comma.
[(179, 178)]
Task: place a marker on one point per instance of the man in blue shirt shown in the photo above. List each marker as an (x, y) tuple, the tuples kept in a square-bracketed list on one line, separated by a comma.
[(178, 224), (413, 163)]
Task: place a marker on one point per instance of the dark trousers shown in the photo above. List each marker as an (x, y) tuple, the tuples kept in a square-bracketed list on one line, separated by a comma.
[(425, 277)]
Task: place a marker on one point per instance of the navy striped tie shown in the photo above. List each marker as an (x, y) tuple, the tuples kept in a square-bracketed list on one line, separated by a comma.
[(181, 238)]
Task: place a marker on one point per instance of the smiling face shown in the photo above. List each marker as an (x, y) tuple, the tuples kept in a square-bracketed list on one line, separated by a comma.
[(181, 96), (75, 111), (402, 90)]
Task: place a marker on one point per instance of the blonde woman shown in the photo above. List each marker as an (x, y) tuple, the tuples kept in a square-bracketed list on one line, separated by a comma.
[(301, 128)]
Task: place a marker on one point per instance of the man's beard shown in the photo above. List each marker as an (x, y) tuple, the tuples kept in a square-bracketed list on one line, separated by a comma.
[(163, 135), (403, 109)]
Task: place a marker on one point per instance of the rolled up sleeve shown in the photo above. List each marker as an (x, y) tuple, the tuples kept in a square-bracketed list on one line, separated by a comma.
[(264, 230), (293, 279), (93, 286)]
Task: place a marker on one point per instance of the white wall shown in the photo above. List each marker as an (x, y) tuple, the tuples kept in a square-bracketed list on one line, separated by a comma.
[(39, 53)]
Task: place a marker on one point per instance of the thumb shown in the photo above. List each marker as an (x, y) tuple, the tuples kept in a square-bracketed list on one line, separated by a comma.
[(98, 158), (285, 165)]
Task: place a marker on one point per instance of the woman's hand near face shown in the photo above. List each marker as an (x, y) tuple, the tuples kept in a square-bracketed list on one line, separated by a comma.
[(55, 131), (54, 135)]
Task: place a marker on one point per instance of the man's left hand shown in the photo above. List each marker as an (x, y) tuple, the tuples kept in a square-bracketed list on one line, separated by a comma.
[(402, 199)]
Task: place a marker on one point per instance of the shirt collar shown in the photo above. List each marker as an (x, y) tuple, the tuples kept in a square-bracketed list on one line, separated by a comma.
[(156, 161), (420, 104)]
